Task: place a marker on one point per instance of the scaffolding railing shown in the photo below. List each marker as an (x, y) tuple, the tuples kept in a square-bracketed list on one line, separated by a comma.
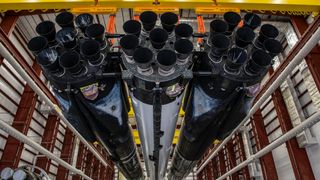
[(297, 59), (23, 138)]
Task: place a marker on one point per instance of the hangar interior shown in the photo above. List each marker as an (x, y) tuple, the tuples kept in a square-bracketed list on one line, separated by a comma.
[(159, 89)]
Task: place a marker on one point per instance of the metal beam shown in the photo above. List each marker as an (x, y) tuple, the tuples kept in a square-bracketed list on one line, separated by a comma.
[(293, 6), (89, 164), (307, 42), (7, 24), (80, 160), (200, 176), (48, 141), (66, 153), (222, 164), (298, 156), (98, 173), (232, 158), (214, 168), (245, 170), (300, 26), (260, 135), (21, 122), (208, 172)]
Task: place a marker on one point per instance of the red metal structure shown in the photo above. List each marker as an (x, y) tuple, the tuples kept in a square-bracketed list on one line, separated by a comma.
[(22, 120), (241, 151), (48, 140), (301, 26), (261, 137), (66, 153), (80, 159), (298, 156)]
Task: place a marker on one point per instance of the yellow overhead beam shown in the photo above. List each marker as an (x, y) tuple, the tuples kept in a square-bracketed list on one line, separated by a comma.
[(274, 5), (44, 5), (288, 6)]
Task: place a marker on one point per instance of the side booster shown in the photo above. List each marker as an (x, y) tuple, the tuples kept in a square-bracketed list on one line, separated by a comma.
[(74, 61), (156, 62), (217, 103)]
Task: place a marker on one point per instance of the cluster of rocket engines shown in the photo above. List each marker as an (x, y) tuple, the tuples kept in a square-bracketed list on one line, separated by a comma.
[(158, 68)]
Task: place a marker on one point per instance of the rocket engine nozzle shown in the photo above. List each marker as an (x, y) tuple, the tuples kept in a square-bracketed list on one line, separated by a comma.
[(169, 21), (49, 60), (47, 30), (37, 44), (158, 38), (90, 49), (218, 27), (235, 59), (132, 27), (184, 48), (259, 62), (65, 19), (252, 21), (70, 61), (244, 37), (233, 19), (148, 20), (143, 58), (273, 47), (83, 21), (68, 37), (97, 32), (267, 31), (166, 59), (183, 31), (219, 44), (129, 44)]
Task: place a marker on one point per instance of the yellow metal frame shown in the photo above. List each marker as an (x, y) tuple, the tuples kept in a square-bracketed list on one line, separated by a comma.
[(285, 6), (137, 139)]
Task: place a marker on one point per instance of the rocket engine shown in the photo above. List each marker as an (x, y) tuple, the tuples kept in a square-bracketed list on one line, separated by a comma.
[(156, 61), (216, 104), (75, 60)]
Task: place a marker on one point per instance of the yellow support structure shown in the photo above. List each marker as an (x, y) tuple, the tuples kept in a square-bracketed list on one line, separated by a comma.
[(138, 142), (294, 7)]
